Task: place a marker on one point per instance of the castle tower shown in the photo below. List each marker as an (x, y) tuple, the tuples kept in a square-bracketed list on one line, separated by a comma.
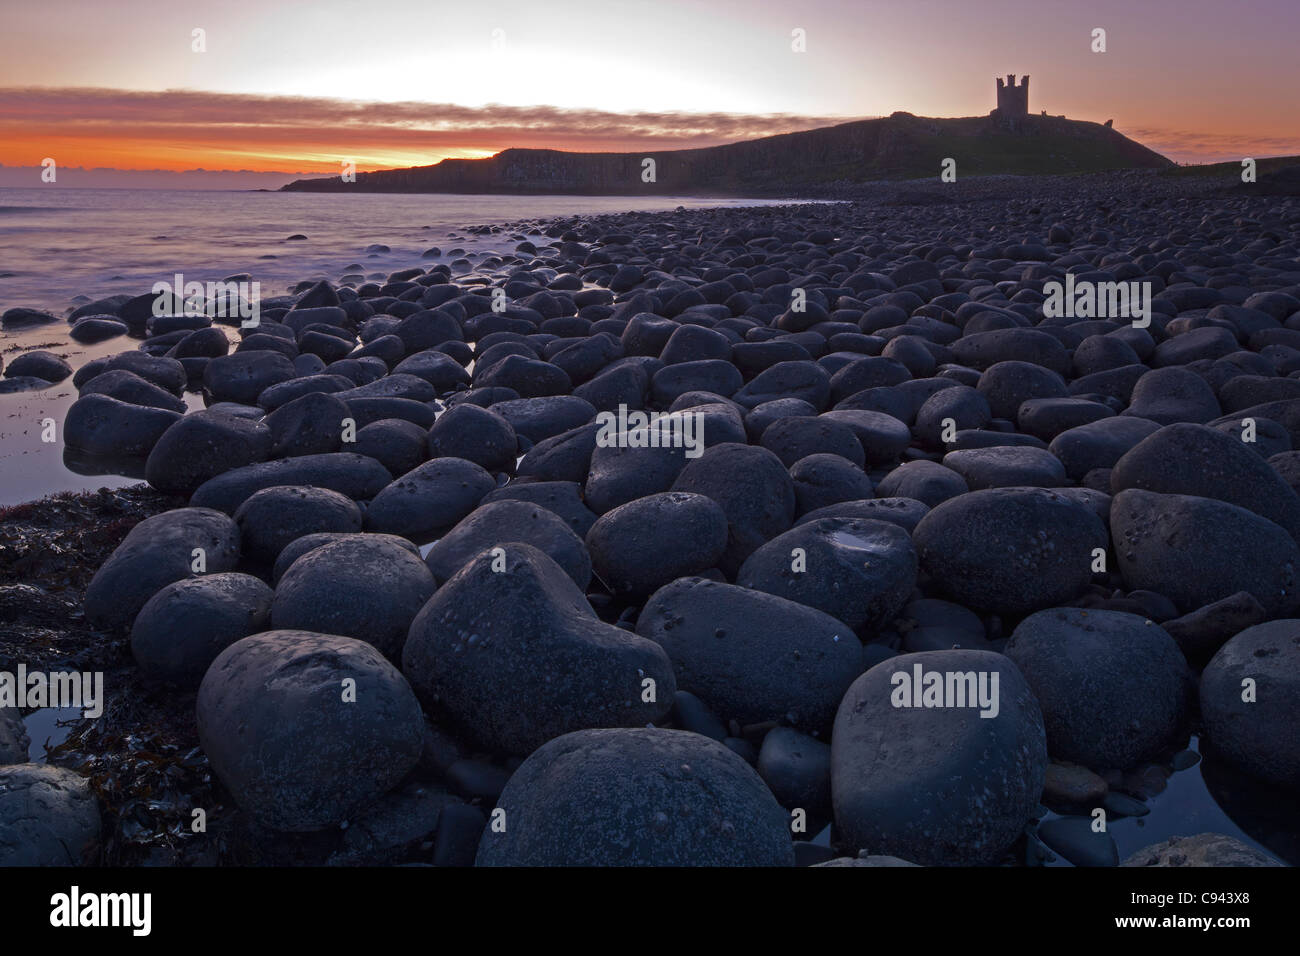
[(1013, 100)]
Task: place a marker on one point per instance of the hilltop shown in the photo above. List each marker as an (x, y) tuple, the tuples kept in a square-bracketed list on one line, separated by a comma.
[(812, 163)]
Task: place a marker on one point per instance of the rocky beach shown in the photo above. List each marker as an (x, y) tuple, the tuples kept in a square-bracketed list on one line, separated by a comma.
[(928, 527)]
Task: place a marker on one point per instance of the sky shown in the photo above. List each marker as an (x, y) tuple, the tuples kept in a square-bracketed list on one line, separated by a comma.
[(290, 88)]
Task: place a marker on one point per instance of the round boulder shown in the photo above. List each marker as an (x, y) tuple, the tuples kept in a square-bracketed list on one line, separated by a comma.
[(938, 758), (306, 730), (1250, 702), (637, 797), (182, 628), (364, 586), (1113, 687), (642, 545), (1010, 550)]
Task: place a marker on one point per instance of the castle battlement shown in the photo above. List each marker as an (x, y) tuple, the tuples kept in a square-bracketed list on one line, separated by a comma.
[(1013, 98)]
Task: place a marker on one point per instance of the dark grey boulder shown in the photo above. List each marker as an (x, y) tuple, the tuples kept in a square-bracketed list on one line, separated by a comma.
[(440, 370), (167, 547), (182, 628), (365, 586), (271, 518), (285, 392), (904, 512), (106, 427), (166, 373), (540, 418), (638, 547), (1187, 459), (562, 497), (691, 713), (1262, 436), (1198, 550), (312, 424), (1008, 385), (48, 817), (867, 373), (797, 769), (1099, 444), (982, 350), (1113, 687), (753, 488), (366, 411), (625, 385), (705, 375), (307, 730), (637, 797), (430, 499), (857, 570), (882, 437), (1045, 418), (1169, 395), (22, 383), (504, 522), (794, 438), (358, 477), (428, 328), (531, 378), (1007, 466), (1250, 702), (1010, 550), (243, 376), (625, 467), (38, 364), (474, 434), (805, 380), (925, 481), (949, 410), (203, 445), (22, 318), (515, 680), (96, 328), (760, 416), (128, 387), (565, 457), (939, 785), (823, 479), (1202, 632), (397, 385), (753, 656), (941, 625), (202, 343), (296, 548), (400, 446)]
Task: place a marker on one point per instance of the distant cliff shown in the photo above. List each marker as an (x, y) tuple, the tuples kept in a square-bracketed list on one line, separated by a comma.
[(901, 146)]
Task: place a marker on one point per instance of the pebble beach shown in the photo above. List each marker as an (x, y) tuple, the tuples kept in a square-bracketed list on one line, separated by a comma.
[(919, 571)]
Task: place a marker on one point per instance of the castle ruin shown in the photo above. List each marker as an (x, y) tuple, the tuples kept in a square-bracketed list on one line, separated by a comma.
[(1013, 100)]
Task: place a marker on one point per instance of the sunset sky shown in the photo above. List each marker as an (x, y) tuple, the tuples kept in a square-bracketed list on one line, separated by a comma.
[(301, 86)]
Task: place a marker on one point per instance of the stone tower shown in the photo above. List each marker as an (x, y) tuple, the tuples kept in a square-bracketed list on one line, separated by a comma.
[(1013, 100)]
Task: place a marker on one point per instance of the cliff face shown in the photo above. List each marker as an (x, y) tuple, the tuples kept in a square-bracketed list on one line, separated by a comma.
[(901, 146)]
